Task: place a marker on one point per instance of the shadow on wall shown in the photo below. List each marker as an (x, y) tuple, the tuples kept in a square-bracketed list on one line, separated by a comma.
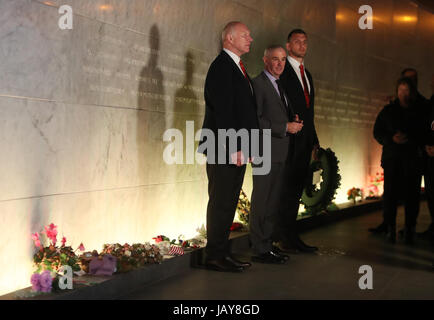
[(37, 223), (151, 109), (40, 210), (185, 108)]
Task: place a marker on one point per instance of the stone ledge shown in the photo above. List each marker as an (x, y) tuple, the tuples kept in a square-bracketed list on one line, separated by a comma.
[(119, 285)]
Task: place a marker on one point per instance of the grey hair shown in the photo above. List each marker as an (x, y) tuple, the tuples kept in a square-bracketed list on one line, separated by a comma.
[(271, 48)]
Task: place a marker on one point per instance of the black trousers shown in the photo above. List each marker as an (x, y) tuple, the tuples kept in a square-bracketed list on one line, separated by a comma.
[(428, 173), (224, 186), (402, 179), (295, 175), (265, 207)]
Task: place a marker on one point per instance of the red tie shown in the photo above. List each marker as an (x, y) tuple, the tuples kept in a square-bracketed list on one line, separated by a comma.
[(244, 70), (305, 88)]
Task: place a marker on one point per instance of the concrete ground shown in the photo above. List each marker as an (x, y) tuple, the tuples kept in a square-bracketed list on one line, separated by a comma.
[(399, 271)]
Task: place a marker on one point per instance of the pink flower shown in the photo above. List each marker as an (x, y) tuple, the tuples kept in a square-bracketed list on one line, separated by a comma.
[(51, 232), (35, 238), (63, 241), (81, 247)]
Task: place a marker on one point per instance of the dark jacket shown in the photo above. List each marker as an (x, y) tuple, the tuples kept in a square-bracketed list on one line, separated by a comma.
[(393, 118), (230, 102), (305, 139)]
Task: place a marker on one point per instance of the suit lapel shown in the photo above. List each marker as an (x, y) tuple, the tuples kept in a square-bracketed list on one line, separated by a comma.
[(293, 76), (238, 71), (273, 90), (309, 78)]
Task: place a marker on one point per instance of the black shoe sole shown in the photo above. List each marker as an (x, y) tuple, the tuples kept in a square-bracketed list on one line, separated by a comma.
[(268, 261)]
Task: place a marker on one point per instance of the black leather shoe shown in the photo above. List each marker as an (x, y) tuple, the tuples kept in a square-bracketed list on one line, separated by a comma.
[(270, 257), (381, 229), (237, 262), (303, 247), (282, 247), (222, 265)]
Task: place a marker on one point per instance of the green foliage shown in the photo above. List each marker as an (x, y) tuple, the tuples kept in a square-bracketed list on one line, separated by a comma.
[(317, 200)]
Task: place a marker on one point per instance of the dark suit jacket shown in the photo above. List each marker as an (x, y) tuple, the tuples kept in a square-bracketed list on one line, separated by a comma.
[(230, 102), (307, 137), (273, 115), (393, 118)]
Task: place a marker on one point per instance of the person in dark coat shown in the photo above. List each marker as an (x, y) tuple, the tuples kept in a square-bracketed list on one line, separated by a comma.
[(398, 128), (299, 88), (423, 106)]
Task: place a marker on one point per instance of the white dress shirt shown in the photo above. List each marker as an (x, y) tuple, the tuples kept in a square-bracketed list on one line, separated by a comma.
[(237, 62), (296, 66), (235, 58)]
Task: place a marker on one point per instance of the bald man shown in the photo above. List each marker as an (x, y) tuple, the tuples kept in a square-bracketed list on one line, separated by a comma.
[(230, 104)]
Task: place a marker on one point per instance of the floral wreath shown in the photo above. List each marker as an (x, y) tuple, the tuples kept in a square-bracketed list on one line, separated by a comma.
[(317, 199)]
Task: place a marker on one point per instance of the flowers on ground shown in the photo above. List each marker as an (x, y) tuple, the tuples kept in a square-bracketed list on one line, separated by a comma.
[(49, 259), (354, 193), (376, 185), (42, 282), (133, 256)]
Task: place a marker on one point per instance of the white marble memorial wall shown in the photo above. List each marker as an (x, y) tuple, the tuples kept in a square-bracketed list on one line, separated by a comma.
[(83, 111)]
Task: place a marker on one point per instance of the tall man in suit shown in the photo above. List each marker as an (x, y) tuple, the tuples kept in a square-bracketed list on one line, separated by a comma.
[(274, 113), (298, 85), (230, 104)]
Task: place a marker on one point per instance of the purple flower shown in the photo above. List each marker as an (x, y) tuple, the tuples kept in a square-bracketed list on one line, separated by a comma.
[(48, 289), (34, 280), (45, 281)]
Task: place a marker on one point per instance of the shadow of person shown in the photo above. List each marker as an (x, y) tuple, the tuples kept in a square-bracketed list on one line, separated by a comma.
[(185, 110), (151, 108)]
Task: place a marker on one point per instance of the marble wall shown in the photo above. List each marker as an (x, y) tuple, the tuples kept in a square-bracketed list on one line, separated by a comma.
[(83, 111)]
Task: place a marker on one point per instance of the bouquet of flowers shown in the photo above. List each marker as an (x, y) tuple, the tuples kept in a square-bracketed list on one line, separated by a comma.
[(354, 193), (374, 188), (133, 256), (50, 258)]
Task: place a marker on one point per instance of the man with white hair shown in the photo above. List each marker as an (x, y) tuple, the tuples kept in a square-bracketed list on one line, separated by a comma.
[(230, 104)]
